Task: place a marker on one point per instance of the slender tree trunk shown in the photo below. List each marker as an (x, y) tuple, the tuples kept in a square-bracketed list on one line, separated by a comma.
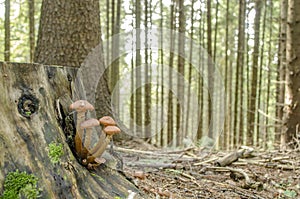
[(132, 82), (189, 72), (200, 80), (260, 128), (267, 137), (7, 31), (107, 31), (31, 28), (226, 144), (248, 82), (252, 107), (147, 93), (209, 67), (114, 72), (238, 102), (280, 135), (180, 88), (170, 94), (162, 137), (138, 74)]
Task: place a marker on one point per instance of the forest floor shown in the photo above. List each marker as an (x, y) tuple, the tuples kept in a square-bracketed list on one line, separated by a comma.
[(201, 173)]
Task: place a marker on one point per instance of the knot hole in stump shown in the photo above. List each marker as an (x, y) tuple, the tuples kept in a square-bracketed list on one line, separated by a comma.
[(28, 105)]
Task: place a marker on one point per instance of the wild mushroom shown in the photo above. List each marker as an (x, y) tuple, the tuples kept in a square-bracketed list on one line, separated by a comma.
[(81, 106), (109, 131), (104, 121), (107, 121), (88, 126)]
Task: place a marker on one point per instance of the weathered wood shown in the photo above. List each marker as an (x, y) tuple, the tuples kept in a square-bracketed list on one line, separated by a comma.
[(28, 117), (234, 156)]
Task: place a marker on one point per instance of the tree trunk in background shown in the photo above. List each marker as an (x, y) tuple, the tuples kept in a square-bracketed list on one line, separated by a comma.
[(200, 80), (107, 30), (7, 31), (280, 134), (162, 102), (260, 128), (187, 124), (252, 106), (147, 93), (292, 110), (25, 139), (31, 28), (138, 74), (180, 68), (226, 143), (267, 136), (238, 102), (170, 94), (209, 67), (115, 61), (67, 36)]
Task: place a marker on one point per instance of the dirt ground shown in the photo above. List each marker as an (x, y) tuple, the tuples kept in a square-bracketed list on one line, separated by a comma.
[(201, 173)]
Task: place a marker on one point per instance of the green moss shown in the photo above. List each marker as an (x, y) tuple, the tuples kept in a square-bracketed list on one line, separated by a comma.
[(20, 185), (55, 152)]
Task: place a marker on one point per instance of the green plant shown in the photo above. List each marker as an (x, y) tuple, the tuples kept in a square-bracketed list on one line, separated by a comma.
[(20, 185), (55, 152)]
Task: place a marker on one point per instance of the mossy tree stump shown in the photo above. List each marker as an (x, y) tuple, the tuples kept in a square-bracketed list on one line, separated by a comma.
[(29, 123)]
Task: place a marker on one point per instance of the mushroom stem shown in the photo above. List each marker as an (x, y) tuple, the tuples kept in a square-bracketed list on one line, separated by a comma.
[(81, 106), (79, 132), (88, 137), (100, 150), (100, 143)]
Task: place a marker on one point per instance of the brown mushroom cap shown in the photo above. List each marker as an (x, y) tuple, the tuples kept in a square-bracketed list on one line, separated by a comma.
[(89, 123), (111, 130), (81, 106), (107, 121)]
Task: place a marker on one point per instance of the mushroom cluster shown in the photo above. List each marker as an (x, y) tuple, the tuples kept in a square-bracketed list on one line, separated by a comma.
[(91, 156)]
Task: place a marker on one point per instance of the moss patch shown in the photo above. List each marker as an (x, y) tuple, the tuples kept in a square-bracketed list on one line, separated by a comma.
[(55, 152), (20, 185)]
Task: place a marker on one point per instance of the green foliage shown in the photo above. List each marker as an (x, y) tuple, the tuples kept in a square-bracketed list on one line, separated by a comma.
[(20, 185), (290, 194), (55, 152)]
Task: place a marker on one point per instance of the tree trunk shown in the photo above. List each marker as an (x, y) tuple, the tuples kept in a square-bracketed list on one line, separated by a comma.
[(32, 115), (138, 74), (238, 102), (209, 66), (170, 94), (31, 28), (280, 134), (7, 31), (292, 111), (252, 105), (180, 68)]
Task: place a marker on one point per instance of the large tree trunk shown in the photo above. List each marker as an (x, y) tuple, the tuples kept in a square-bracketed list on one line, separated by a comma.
[(34, 103), (292, 110)]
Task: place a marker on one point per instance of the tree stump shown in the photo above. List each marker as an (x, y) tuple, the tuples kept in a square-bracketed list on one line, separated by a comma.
[(29, 110)]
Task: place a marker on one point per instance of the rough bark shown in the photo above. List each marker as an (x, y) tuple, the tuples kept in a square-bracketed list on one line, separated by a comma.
[(24, 138), (292, 110)]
